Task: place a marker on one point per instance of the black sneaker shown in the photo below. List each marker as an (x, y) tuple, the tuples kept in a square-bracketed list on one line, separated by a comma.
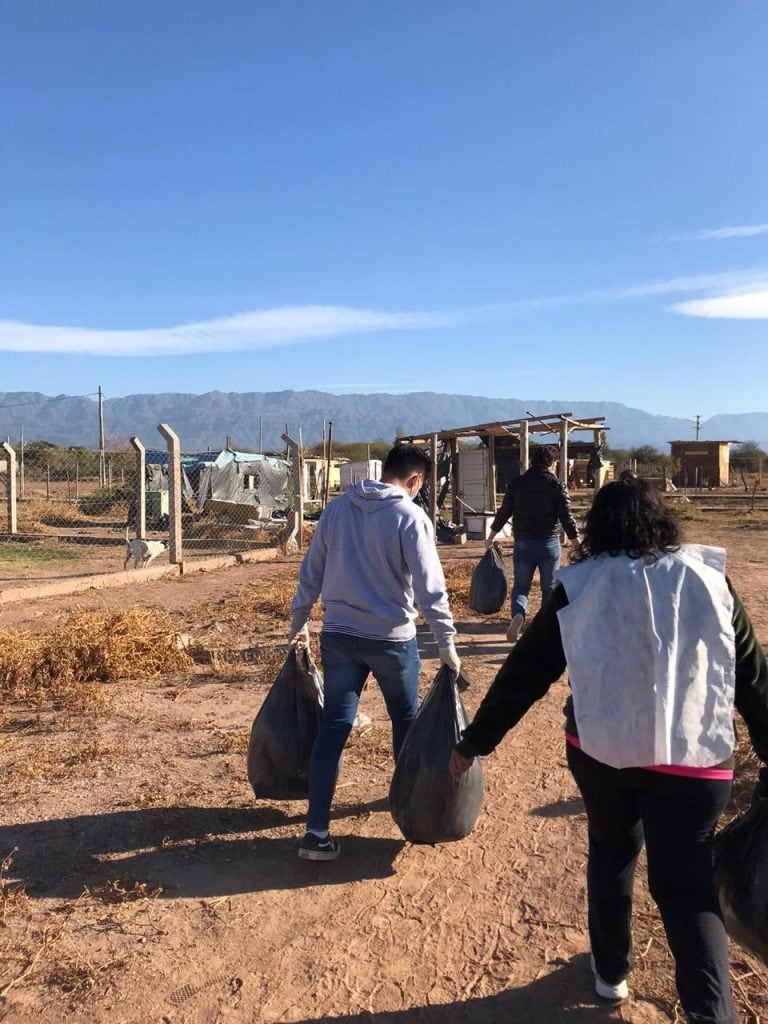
[(313, 848)]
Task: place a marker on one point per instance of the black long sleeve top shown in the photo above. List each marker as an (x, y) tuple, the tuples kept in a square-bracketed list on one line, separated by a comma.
[(536, 502)]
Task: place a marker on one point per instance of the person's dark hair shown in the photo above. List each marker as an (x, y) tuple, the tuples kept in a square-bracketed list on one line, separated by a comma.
[(544, 455), (404, 459), (629, 517)]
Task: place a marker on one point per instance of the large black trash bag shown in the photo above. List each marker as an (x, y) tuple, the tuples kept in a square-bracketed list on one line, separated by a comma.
[(488, 587), (285, 728), (741, 875), (427, 805)]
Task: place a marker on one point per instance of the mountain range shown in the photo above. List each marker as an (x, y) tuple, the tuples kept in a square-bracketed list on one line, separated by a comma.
[(205, 421)]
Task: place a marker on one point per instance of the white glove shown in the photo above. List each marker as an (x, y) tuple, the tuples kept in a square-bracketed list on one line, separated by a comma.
[(300, 637), (449, 657)]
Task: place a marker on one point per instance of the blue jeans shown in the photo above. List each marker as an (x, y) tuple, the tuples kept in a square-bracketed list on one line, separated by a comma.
[(530, 555), (347, 662)]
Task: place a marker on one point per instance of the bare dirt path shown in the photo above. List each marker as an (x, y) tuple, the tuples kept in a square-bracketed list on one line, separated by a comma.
[(158, 890)]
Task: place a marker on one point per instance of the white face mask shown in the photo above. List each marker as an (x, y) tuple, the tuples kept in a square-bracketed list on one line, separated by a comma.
[(415, 488)]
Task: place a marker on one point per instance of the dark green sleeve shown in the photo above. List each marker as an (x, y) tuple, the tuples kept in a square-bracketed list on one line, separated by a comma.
[(751, 680), (532, 666)]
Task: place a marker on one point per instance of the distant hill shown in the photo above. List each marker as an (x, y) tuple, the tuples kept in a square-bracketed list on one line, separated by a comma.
[(204, 421)]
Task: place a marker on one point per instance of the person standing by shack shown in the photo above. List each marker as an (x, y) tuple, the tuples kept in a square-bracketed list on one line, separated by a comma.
[(659, 651), (538, 505), (374, 560)]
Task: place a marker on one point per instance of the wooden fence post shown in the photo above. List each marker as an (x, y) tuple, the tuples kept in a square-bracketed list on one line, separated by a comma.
[(140, 490), (294, 531), (10, 487), (174, 493)]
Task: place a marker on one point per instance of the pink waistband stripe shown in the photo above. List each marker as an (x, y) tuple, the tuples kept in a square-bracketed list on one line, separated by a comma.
[(687, 771)]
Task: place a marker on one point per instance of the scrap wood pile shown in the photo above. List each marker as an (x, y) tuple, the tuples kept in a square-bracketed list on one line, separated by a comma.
[(90, 647)]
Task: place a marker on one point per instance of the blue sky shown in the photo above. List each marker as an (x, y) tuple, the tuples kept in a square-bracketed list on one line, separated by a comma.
[(525, 198)]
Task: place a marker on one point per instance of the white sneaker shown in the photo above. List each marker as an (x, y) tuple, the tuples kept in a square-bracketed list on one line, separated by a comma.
[(514, 628), (616, 993)]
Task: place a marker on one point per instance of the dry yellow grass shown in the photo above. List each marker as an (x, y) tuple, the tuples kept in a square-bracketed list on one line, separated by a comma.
[(39, 516), (90, 648), (270, 598), (49, 762)]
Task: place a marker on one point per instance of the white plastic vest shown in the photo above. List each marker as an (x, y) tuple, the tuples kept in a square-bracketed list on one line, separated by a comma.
[(651, 657)]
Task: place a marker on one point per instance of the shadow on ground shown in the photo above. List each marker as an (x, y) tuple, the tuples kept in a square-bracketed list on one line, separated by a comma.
[(560, 997), (560, 808), (187, 851)]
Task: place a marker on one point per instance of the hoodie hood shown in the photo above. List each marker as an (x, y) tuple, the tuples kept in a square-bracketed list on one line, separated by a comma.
[(372, 495)]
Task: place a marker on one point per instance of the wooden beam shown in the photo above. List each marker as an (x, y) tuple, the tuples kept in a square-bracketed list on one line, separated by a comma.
[(524, 449), (456, 511), (564, 451), (433, 481), (492, 474)]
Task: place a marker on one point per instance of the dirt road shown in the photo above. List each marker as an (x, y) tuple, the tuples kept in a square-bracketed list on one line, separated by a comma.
[(158, 890)]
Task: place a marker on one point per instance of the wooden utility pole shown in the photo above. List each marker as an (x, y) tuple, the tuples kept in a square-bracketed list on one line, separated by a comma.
[(102, 464), (10, 486), (174, 493), (698, 427)]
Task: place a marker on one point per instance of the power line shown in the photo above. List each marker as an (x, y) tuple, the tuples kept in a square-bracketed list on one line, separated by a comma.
[(43, 401)]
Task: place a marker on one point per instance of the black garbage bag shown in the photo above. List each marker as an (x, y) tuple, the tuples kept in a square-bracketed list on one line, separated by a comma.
[(285, 728), (427, 805), (488, 587), (741, 875)]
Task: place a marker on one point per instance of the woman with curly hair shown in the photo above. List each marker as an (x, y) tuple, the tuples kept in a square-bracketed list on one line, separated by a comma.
[(659, 650)]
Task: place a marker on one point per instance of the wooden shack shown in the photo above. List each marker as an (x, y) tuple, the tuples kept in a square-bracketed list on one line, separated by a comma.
[(701, 463), (474, 476)]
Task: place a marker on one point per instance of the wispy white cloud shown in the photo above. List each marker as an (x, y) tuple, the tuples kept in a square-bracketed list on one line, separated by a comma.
[(290, 325), (727, 280), (259, 329), (719, 234), (751, 305)]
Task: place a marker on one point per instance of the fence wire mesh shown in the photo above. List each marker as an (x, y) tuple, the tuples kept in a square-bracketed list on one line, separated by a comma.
[(76, 508)]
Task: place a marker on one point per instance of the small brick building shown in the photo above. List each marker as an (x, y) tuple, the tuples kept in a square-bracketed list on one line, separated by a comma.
[(701, 463)]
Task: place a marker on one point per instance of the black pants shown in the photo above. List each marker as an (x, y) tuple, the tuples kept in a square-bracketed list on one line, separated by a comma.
[(676, 816)]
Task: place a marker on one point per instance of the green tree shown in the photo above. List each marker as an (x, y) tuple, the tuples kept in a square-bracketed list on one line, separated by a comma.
[(748, 457)]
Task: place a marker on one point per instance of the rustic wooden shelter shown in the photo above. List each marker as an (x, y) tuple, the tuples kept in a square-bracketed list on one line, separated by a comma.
[(701, 463), (552, 428)]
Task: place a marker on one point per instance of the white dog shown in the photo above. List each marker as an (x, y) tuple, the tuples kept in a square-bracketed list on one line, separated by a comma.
[(142, 552)]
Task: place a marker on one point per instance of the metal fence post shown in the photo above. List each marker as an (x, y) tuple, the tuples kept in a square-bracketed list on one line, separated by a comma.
[(174, 493), (140, 491), (10, 487)]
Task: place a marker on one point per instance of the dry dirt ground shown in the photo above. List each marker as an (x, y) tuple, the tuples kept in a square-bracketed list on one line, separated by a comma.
[(147, 885)]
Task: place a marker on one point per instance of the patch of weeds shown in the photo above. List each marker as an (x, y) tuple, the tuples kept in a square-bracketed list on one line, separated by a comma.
[(118, 890)]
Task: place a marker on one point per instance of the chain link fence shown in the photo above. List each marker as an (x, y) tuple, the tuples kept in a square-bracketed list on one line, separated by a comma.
[(70, 511)]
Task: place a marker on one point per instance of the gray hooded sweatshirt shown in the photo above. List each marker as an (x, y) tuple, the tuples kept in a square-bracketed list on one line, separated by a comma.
[(373, 559)]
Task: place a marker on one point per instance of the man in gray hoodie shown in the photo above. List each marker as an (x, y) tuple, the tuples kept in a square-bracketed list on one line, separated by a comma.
[(373, 559)]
